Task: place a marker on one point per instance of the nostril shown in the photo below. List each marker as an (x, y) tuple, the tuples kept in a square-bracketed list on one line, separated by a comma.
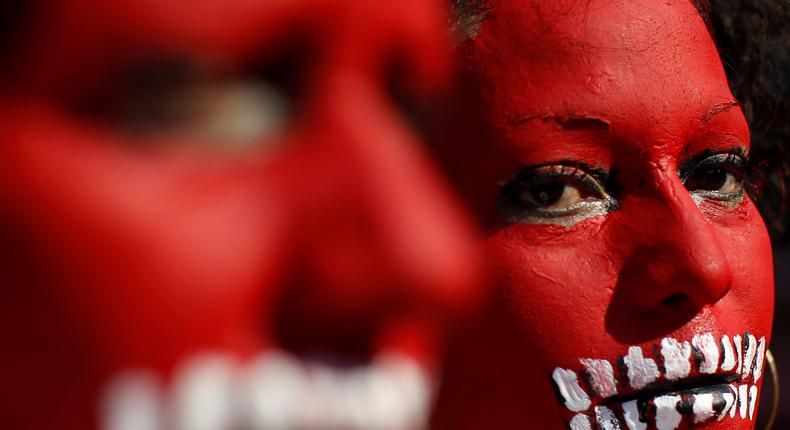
[(676, 301)]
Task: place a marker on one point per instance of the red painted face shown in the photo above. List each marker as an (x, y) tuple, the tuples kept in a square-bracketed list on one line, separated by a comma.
[(173, 211), (635, 276)]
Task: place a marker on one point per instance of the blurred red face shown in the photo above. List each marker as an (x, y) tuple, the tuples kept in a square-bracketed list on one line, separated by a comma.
[(635, 277), (188, 185)]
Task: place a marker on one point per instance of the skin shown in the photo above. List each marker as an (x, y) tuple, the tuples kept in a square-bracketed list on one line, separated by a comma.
[(129, 249), (635, 90)]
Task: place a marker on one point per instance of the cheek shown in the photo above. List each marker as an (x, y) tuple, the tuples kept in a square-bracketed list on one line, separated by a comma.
[(149, 225), (746, 243), (556, 291)]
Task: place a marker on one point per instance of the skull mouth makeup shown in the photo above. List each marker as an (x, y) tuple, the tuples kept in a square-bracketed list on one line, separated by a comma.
[(600, 144), (689, 384), (182, 201), (275, 390)]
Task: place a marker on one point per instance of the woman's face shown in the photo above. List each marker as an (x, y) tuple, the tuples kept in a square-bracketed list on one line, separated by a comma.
[(635, 275), (184, 193)]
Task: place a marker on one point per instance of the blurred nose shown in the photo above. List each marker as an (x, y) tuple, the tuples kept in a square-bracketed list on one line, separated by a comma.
[(389, 254), (677, 265), (421, 237)]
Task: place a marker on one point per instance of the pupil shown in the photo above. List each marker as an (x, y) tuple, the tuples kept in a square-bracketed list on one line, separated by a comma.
[(712, 179), (547, 193)]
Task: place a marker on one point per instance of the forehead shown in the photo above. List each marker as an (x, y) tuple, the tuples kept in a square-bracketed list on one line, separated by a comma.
[(206, 27), (603, 58)]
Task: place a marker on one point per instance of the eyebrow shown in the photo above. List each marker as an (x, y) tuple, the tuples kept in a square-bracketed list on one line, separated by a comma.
[(719, 108), (569, 122), (592, 123)]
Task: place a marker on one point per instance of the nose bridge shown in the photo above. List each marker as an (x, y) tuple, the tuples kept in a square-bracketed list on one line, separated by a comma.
[(680, 249), (409, 226)]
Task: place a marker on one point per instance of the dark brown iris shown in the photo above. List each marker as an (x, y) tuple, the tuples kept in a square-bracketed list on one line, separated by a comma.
[(547, 193)]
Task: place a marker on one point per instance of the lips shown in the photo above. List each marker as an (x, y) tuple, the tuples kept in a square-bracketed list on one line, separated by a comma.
[(275, 391), (686, 383)]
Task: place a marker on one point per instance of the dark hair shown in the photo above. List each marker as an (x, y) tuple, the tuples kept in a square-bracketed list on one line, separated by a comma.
[(12, 13), (753, 39)]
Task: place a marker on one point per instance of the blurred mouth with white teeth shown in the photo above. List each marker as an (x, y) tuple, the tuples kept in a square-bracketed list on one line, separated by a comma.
[(273, 391), (687, 384)]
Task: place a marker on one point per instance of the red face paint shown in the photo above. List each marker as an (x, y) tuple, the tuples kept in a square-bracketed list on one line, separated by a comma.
[(153, 257), (634, 274)]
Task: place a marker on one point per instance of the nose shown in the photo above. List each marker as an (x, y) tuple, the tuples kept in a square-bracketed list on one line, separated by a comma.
[(389, 254), (677, 264)]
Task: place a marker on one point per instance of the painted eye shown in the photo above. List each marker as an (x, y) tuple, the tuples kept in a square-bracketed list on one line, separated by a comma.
[(719, 176), (555, 194), (714, 179), (215, 105)]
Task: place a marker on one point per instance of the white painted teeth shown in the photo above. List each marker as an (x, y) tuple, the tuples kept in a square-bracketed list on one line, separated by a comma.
[(729, 403), (275, 385), (748, 355), (580, 422), (741, 354), (273, 392), (729, 355), (668, 411), (706, 346), (667, 415), (759, 360), (131, 402), (601, 377), (576, 399), (641, 370), (735, 392), (606, 419), (676, 358), (202, 393), (752, 400), (631, 416), (738, 352), (703, 407), (743, 400)]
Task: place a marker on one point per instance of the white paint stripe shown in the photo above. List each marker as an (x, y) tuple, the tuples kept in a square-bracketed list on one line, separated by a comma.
[(131, 402), (631, 415), (641, 371), (752, 400), (743, 399), (203, 393), (703, 407), (601, 376), (274, 386), (276, 392), (729, 355), (738, 352), (568, 385), (748, 356), (676, 358), (729, 400), (606, 419), (581, 422), (402, 393), (667, 415), (736, 400), (707, 347), (758, 363)]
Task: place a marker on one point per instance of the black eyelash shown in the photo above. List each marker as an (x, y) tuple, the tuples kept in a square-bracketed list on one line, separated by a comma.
[(577, 170), (591, 177), (735, 157)]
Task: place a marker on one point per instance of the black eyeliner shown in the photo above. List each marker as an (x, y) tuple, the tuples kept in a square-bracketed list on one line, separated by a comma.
[(736, 156)]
